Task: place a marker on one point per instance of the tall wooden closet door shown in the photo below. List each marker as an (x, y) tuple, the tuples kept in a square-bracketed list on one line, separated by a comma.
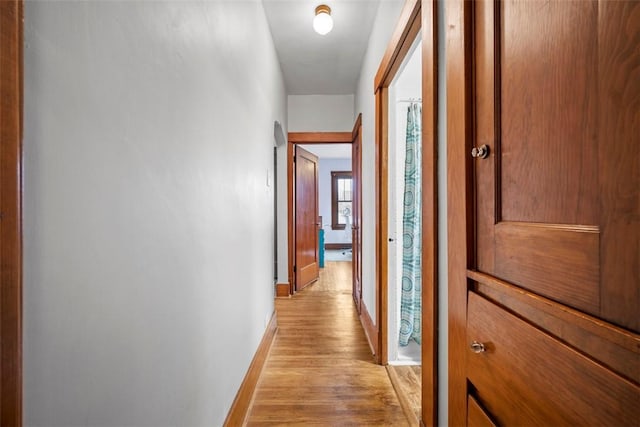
[(557, 106), (554, 298)]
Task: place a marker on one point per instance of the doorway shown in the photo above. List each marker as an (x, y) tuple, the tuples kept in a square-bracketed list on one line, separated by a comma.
[(405, 214), (340, 217), (417, 21), (335, 200)]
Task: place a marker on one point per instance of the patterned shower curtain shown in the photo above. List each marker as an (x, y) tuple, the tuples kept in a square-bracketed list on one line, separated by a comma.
[(411, 300)]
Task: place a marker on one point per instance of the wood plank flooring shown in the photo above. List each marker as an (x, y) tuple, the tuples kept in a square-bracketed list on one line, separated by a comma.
[(320, 369), (407, 380)]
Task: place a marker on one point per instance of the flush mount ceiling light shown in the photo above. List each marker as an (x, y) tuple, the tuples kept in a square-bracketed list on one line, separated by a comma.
[(322, 22)]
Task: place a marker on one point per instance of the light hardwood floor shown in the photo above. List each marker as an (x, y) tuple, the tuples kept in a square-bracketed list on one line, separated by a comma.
[(407, 380), (320, 369)]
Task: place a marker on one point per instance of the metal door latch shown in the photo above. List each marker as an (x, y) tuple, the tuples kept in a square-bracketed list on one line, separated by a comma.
[(481, 152)]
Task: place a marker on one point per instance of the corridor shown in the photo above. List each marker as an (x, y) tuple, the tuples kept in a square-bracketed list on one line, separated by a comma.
[(320, 369)]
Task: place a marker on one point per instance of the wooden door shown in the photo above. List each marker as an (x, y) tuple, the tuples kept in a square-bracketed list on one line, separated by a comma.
[(356, 231), (555, 201), (11, 17), (553, 234), (306, 265)]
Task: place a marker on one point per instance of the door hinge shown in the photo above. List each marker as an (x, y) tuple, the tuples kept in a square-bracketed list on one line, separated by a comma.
[(294, 159), (294, 268)]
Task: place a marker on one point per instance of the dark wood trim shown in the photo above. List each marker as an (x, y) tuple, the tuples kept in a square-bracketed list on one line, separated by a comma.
[(337, 246), (402, 38), (335, 175), (282, 290), (429, 212), (303, 138), (459, 131), (382, 226), (379, 267), (320, 137), (291, 216), (356, 226), (369, 329), (241, 404), (356, 127), (11, 93)]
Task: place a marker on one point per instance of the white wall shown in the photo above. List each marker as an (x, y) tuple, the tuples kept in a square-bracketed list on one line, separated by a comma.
[(385, 22), (325, 167), (148, 222), (321, 113)]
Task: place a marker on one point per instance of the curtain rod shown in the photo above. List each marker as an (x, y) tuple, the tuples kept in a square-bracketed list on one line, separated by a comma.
[(409, 100)]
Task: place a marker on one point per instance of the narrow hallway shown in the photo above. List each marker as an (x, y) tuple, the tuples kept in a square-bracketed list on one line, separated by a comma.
[(320, 369)]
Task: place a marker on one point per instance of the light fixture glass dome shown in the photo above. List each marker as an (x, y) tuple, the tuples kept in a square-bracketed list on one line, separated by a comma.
[(322, 22)]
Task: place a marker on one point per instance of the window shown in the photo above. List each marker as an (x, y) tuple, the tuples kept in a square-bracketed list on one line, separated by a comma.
[(341, 195)]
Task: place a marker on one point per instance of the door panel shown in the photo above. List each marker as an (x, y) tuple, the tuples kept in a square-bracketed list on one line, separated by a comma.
[(567, 252), (540, 222), (306, 254), (548, 111)]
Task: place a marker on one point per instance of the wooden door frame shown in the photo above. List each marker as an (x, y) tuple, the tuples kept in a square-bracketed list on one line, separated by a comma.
[(11, 82), (356, 174), (308, 138), (458, 14), (416, 16)]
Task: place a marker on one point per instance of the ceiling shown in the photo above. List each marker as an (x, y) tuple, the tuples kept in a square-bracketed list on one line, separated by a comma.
[(320, 65)]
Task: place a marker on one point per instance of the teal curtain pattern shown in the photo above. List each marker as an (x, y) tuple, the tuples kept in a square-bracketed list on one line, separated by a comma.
[(411, 299)]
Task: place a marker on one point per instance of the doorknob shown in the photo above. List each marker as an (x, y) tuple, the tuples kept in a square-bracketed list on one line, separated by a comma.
[(481, 152), (477, 347)]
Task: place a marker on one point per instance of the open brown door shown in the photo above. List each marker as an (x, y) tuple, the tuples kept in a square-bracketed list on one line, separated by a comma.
[(544, 239), (306, 265), (356, 232)]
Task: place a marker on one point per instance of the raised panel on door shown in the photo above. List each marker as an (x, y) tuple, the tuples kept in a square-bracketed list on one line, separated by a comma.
[(557, 101)]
